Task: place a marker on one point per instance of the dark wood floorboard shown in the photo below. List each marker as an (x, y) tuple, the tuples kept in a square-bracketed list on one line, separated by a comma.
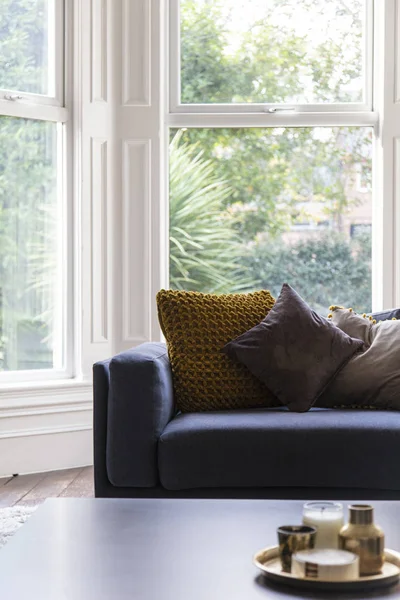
[(32, 490), (15, 489), (82, 486), (4, 480), (51, 486)]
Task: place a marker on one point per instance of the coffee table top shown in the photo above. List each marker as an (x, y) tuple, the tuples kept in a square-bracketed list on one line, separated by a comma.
[(84, 549)]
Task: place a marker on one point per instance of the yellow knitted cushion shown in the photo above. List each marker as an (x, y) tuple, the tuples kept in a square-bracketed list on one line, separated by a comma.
[(197, 326)]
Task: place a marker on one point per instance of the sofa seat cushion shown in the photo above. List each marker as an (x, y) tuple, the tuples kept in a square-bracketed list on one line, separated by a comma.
[(277, 448)]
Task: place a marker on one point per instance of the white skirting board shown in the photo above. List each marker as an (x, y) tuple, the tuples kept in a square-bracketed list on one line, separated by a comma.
[(46, 429)]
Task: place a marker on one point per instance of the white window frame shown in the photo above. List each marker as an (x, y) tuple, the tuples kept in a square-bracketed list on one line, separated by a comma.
[(379, 53), (268, 109), (56, 55), (53, 108)]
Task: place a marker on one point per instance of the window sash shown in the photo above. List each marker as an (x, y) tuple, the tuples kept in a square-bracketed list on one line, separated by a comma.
[(175, 105), (55, 109), (30, 110), (63, 359), (26, 99)]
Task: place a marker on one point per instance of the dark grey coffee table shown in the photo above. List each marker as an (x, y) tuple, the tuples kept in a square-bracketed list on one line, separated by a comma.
[(94, 549)]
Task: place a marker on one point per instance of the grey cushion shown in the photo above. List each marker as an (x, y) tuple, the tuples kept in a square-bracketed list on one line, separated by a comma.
[(370, 378), (274, 447), (140, 405), (294, 351)]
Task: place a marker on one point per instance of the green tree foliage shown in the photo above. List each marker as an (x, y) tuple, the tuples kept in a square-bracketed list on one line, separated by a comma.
[(326, 270), (205, 252), (209, 76), (267, 57), (23, 45), (265, 66)]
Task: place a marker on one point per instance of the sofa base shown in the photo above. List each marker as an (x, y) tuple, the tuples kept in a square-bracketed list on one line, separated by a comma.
[(110, 491)]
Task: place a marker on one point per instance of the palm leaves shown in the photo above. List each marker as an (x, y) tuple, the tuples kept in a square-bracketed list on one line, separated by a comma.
[(205, 251)]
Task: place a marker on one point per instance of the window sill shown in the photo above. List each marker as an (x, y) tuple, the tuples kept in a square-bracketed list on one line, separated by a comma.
[(46, 395), (34, 386)]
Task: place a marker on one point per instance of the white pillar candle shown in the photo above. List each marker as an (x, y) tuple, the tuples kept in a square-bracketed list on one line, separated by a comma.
[(327, 517)]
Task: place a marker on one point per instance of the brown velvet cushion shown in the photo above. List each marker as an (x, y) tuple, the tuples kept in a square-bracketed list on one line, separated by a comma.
[(370, 379), (294, 351)]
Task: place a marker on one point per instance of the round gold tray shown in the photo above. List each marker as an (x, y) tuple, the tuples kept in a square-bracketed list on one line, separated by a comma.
[(268, 561)]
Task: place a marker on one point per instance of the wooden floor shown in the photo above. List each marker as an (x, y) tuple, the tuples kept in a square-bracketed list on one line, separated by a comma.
[(31, 490)]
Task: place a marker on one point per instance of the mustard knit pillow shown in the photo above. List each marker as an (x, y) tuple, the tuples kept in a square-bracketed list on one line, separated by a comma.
[(197, 326)]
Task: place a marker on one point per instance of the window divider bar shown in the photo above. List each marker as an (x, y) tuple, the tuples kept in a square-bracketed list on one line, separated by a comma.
[(59, 50), (26, 97), (174, 79), (33, 111), (369, 54), (266, 108), (276, 119)]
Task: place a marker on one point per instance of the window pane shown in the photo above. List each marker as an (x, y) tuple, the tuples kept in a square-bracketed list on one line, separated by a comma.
[(30, 321), (27, 46), (297, 51), (254, 208)]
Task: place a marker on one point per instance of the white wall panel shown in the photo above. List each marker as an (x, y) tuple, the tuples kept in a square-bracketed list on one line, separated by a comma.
[(98, 60), (136, 44), (42, 450), (122, 147), (96, 136), (140, 184), (45, 429), (99, 249), (136, 241), (397, 52), (396, 224)]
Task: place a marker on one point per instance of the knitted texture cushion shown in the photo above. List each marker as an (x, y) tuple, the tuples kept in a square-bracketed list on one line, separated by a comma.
[(196, 327)]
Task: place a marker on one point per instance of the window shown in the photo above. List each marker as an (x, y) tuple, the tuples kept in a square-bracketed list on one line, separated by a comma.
[(33, 211), (28, 46), (255, 51), (271, 115)]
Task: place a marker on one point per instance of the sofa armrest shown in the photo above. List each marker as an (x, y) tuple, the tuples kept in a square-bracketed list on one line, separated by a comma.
[(140, 404), (101, 385)]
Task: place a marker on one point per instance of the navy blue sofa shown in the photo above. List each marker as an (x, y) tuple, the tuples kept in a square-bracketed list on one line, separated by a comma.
[(144, 448)]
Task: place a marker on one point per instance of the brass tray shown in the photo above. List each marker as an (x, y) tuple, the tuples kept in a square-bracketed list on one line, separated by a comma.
[(268, 561)]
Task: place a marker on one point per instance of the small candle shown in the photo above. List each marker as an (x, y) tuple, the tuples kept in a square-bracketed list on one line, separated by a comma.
[(327, 517)]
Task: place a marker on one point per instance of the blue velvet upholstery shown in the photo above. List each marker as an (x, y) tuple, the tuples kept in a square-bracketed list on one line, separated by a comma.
[(276, 448), (140, 404), (392, 313), (101, 384)]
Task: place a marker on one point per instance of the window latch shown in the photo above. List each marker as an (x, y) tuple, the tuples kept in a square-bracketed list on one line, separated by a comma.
[(12, 97), (275, 109)]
